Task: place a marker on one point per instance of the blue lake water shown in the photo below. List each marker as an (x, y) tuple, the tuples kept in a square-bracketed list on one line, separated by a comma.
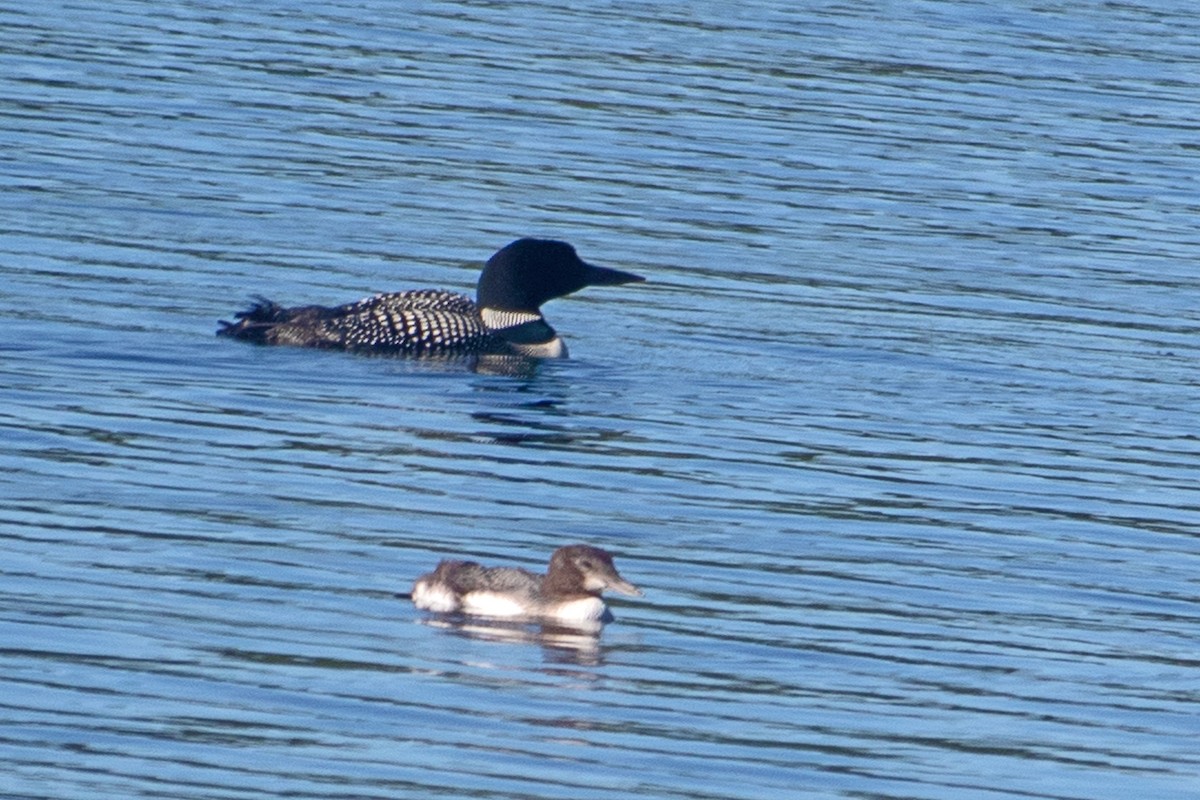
[(899, 438)]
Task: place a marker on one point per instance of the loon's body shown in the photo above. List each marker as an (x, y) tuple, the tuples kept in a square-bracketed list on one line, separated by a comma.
[(569, 592), (505, 318)]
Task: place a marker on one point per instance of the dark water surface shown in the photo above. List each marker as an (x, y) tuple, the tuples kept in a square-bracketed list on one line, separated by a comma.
[(900, 439)]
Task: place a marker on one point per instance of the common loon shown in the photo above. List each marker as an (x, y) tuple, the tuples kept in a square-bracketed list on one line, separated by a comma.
[(569, 592), (506, 317)]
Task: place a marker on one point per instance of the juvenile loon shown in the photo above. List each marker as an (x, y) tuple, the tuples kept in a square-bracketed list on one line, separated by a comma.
[(506, 317), (568, 593)]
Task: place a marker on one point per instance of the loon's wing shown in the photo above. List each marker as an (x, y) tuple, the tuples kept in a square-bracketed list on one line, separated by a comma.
[(419, 322), (436, 299), (511, 580), (465, 577)]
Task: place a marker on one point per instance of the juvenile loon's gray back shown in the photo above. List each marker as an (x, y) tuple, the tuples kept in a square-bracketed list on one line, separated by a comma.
[(505, 318)]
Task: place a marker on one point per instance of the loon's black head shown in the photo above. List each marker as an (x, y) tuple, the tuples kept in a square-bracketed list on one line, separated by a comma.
[(523, 275)]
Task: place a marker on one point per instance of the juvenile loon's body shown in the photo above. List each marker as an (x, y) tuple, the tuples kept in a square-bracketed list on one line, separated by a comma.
[(568, 593), (505, 318)]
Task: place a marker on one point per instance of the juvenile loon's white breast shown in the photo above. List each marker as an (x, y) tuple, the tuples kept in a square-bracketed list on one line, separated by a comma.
[(497, 604), (578, 610)]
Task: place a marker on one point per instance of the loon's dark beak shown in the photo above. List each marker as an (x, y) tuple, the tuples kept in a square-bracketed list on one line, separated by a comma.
[(604, 276)]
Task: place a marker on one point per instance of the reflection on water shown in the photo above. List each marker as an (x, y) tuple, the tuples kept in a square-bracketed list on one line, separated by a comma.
[(560, 644), (898, 437)]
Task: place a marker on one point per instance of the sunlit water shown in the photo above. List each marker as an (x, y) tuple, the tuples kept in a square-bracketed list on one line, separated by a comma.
[(899, 439)]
